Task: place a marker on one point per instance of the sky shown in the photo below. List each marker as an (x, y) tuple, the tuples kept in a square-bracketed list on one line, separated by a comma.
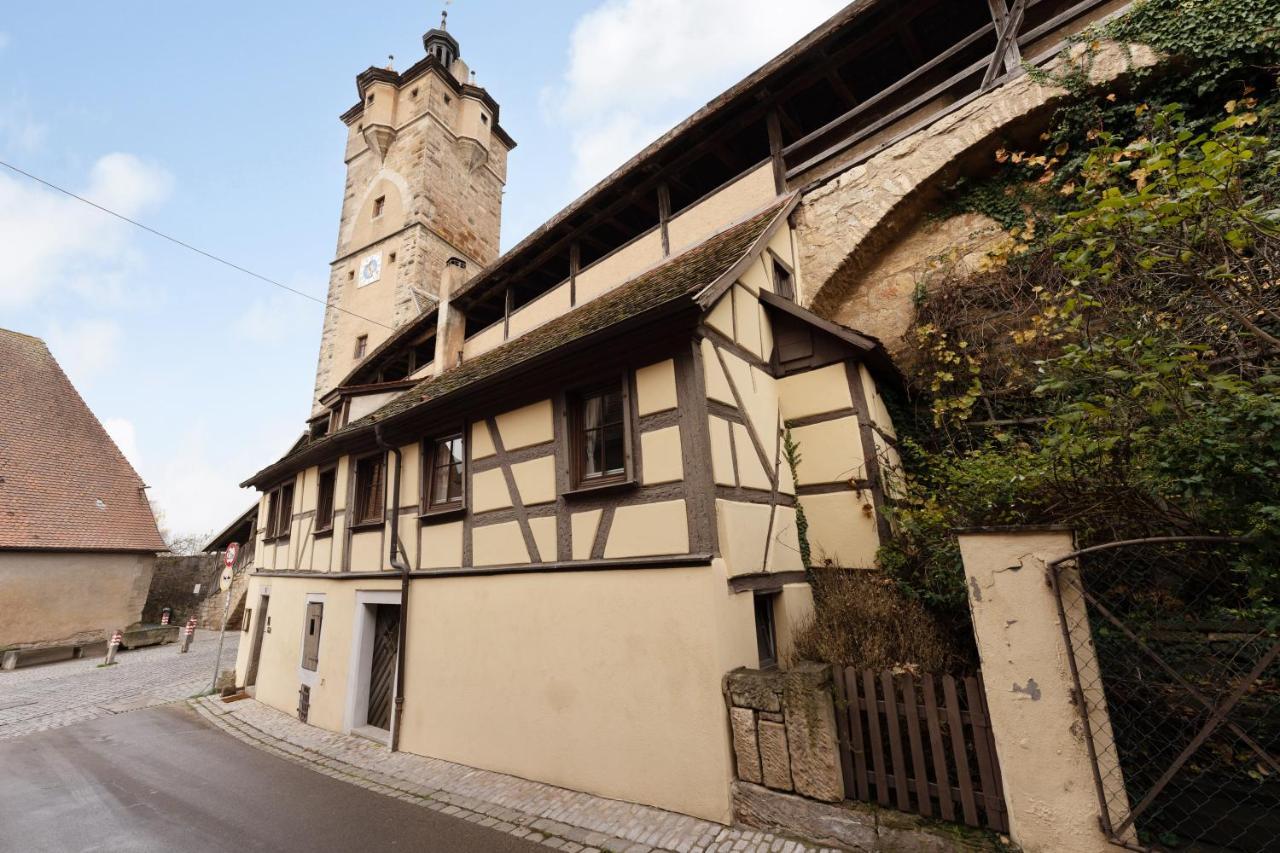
[(218, 124)]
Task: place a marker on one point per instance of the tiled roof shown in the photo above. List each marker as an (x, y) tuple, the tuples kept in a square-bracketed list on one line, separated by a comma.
[(64, 485), (679, 278)]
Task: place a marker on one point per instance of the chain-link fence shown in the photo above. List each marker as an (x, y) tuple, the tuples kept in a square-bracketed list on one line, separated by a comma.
[(1175, 651)]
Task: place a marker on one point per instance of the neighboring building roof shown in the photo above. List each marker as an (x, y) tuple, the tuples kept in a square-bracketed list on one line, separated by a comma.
[(239, 531), (64, 485), (674, 283)]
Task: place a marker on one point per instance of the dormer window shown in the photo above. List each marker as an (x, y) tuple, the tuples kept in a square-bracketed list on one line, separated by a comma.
[(783, 281), (379, 204)]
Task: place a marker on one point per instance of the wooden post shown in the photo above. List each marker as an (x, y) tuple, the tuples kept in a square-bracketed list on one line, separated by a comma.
[(1048, 775)]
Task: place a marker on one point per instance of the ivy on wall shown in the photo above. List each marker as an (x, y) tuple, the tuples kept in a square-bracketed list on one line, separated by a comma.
[(1118, 369)]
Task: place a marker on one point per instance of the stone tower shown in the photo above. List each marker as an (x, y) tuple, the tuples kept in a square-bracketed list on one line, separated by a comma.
[(426, 164)]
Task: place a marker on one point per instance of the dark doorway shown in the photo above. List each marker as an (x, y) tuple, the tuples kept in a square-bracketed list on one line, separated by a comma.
[(382, 668)]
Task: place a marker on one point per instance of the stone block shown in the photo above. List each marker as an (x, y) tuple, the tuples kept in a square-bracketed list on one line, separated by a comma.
[(847, 827), (749, 688), (745, 746), (775, 764), (811, 732)]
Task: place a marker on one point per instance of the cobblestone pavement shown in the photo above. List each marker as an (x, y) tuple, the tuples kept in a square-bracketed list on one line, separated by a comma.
[(555, 817), (59, 694)]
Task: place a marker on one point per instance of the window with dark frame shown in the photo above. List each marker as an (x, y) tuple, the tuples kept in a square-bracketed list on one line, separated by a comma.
[(379, 204), (362, 346), (444, 477), (600, 436), (766, 632), (368, 495), (324, 499), (783, 282)]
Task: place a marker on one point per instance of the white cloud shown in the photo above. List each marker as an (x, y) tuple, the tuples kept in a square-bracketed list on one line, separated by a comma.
[(638, 66), (85, 348), (125, 435), (281, 318), (51, 241), (195, 484)]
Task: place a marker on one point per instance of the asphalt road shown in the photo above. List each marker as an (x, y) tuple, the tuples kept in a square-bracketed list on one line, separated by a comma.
[(160, 779)]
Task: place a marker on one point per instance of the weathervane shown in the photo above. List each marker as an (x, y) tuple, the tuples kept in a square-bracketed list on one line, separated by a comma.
[(444, 15)]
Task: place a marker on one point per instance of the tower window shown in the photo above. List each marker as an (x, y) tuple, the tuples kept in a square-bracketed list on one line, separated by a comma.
[(484, 119), (413, 93), (447, 100), (362, 346), (351, 274), (392, 257), (379, 204), (370, 98)]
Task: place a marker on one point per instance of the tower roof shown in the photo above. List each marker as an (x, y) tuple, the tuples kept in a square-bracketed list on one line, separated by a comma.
[(440, 44)]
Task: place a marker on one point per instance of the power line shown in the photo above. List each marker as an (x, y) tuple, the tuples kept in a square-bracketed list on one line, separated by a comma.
[(192, 248)]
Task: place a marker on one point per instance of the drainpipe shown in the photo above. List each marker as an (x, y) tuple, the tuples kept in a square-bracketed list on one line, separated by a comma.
[(397, 562)]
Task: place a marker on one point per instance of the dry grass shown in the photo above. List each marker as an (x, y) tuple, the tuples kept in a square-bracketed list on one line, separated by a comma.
[(862, 620)]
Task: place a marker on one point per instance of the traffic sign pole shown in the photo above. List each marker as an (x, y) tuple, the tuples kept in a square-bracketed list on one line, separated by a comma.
[(228, 573)]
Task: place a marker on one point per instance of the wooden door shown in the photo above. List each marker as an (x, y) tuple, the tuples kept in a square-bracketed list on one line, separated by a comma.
[(382, 668), (255, 653)]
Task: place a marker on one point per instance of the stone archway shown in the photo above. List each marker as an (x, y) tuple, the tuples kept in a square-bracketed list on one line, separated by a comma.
[(850, 225)]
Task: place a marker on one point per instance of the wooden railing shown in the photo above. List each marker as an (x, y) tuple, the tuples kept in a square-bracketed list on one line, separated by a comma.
[(920, 744)]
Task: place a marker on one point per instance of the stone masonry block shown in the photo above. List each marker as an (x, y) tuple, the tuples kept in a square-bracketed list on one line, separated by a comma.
[(811, 732), (774, 761), (750, 688), (745, 746)]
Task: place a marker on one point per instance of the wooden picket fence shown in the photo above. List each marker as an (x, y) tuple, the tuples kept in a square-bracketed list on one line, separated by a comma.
[(906, 744)]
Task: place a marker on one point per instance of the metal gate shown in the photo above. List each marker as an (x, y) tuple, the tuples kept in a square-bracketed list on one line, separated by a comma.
[(382, 667), (1174, 647)]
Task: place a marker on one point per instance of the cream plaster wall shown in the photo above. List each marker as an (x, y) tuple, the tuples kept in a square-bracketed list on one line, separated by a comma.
[(656, 387), (842, 529), (816, 392), (644, 530), (545, 308), (749, 193), (69, 598), (526, 426), (582, 529), (1044, 762), (721, 451), (660, 455), (366, 551), (481, 441), (617, 676), (544, 537), (620, 267), (489, 491), (441, 545), (498, 544), (536, 480), (830, 452), (742, 528)]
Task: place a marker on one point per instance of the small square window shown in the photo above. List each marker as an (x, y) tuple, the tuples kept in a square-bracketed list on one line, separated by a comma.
[(447, 100), (444, 477), (600, 436), (484, 119), (392, 257), (362, 346), (369, 490), (766, 632), (351, 274), (369, 100), (379, 204), (413, 93)]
